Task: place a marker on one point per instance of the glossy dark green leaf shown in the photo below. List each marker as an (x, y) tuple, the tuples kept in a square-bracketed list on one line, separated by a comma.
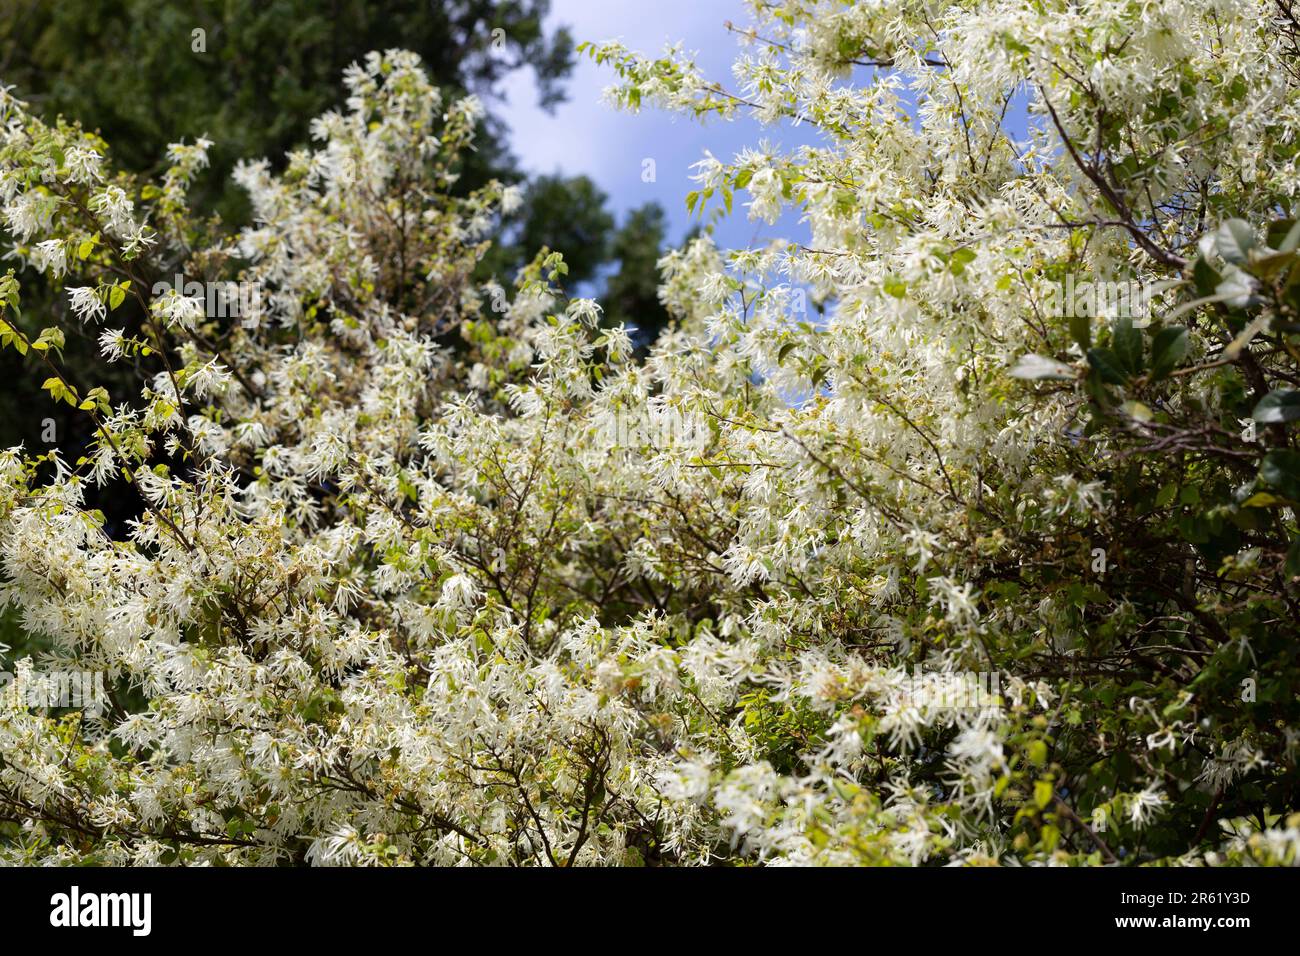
[(1128, 345), (1292, 565), (1280, 469), (1282, 405), (1168, 350), (1205, 277), (1081, 331), (1107, 366)]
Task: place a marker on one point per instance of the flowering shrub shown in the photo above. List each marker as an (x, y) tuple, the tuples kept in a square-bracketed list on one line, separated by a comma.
[(425, 571)]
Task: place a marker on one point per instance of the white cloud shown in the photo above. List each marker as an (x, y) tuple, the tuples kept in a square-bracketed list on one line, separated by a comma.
[(584, 135)]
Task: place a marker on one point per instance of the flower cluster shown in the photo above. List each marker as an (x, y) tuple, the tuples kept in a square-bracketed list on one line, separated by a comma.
[(401, 585)]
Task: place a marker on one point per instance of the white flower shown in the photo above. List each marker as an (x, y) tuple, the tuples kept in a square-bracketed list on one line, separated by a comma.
[(459, 591), (688, 780), (585, 311), (83, 165), (512, 197), (112, 344), (137, 238), (113, 204), (765, 192), (52, 254), (956, 600), (179, 310), (86, 303), (471, 107), (1145, 804)]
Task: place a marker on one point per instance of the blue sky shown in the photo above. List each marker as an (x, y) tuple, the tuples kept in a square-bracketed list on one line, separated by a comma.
[(585, 136)]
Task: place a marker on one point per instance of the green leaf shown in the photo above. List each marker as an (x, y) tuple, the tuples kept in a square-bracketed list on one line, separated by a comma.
[(1043, 791), (1257, 325), (1269, 265), (116, 296), (1107, 366), (1081, 331), (98, 397), (1014, 45), (1051, 837), (960, 259), (1205, 277), (1127, 342), (1237, 288), (1280, 469), (1292, 239), (1282, 405), (1138, 410), (50, 337), (1262, 499), (1291, 567), (1234, 240), (1168, 350)]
